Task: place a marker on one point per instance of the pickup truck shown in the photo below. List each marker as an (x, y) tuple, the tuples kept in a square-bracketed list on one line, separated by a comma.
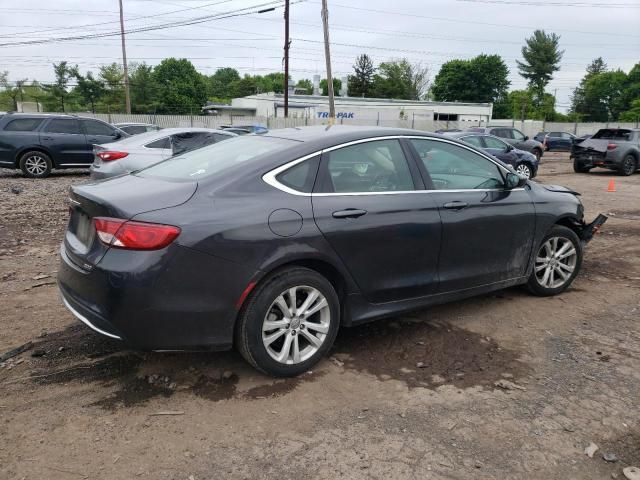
[(613, 148)]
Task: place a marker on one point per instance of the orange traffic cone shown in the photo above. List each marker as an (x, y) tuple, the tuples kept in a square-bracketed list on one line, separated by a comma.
[(612, 186)]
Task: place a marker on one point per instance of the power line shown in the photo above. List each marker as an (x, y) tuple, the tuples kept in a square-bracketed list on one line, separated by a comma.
[(459, 20), (182, 23), (556, 4)]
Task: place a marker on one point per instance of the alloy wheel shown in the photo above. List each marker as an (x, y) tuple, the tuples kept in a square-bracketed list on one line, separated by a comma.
[(555, 262), (296, 325), (523, 170), (35, 165)]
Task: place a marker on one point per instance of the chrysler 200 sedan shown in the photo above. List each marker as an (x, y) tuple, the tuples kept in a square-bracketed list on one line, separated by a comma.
[(270, 243)]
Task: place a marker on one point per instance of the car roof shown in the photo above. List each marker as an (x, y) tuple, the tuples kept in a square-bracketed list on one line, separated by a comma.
[(132, 124), (337, 133)]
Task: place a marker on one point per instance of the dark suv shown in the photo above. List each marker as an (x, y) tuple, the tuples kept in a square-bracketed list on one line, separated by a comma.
[(37, 143), (513, 136)]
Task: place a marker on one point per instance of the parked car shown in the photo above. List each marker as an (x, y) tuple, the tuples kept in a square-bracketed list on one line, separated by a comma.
[(137, 128), (513, 136), (556, 140), (38, 143), (612, 148), (145, 149), (524, 163), (271, 242), (253, 128)]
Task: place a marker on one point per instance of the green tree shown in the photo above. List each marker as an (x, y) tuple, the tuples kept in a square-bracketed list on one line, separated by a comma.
[(400, 79), (220, 82), (181, 89), (305, 84), (112, 77), (604, 94), (143, 88), (272, 82), (243, 87), (89, 89), (633, 114), (481, 79), (361, 83), (58, 89), (579, 105), (324, 86), (12, 92), (541, 59)]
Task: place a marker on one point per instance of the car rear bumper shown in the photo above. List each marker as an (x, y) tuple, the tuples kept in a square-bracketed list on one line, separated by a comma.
[(172, 299), (596, 159)]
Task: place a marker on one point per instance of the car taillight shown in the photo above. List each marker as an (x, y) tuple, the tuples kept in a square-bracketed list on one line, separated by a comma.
[(132, 235), (110, 155), (612, 146)]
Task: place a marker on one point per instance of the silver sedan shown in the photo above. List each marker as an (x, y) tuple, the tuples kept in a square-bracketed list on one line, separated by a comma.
[(143, 150)]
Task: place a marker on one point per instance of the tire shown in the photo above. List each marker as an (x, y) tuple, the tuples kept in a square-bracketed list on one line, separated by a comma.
[(549, 276), (538, 153), (35, 164), (525, 170), (579, 168), (628, 166), (264, 332)]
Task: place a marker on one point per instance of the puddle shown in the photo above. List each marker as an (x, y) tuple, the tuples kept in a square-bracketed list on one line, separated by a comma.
[(215, 389), (426, 355), (131, 393)]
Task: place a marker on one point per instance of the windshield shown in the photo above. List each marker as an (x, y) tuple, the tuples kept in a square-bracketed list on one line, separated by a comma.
[(215, 158)]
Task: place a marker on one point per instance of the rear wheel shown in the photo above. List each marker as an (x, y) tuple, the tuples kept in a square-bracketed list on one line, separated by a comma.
[(579, 167), (35, 164), (557, 262), (289, 323), (628, 166)]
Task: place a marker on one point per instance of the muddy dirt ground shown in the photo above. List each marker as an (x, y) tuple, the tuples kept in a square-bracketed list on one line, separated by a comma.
[(75, 405)]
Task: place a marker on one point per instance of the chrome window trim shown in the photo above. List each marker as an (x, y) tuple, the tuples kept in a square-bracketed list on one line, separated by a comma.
[(270, 176), (156, 140)]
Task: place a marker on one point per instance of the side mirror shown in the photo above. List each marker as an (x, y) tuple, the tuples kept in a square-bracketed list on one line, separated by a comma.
[(509, 148), (526, 138), (116, 134), (513, 180)]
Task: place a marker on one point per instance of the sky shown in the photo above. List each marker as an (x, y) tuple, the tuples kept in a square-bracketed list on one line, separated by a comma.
[(427, 31)]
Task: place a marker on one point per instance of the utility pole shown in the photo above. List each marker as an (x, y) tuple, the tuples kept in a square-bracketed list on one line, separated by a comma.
[(124, 61), (327, 56), (287, 42)]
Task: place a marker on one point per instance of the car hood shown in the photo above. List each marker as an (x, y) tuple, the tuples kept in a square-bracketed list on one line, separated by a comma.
[(559, 189)]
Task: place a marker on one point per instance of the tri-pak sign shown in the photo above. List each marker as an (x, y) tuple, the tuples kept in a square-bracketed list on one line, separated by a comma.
[(338, 115)]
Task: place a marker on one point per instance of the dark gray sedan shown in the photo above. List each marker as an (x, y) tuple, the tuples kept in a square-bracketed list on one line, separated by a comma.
[(269, 243)]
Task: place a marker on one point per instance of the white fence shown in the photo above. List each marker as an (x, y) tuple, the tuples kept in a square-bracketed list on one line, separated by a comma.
[(528, 127)]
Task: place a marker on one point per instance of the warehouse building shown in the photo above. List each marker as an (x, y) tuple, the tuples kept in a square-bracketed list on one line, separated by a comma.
[(356, 109)]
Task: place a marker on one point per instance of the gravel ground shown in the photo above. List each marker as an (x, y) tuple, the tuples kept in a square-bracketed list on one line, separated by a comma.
[(510, 386)]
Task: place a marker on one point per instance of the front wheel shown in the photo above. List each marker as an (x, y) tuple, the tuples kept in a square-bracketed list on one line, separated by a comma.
[(557, 262), (628, 166), (579, 168), (35, 164), (289, 322), (524, 170)]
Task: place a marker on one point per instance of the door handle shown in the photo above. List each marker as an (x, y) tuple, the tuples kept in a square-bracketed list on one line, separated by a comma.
[(47, 138), (349, 213), (456, 205)]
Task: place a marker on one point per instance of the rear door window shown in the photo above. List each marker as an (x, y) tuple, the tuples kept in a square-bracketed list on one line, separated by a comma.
[(302, 176), (373, 166), (64, 125), (23, 125)]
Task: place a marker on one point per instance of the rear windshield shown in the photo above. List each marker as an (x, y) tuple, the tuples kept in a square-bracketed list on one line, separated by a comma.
[(215, 158), (613, 134)]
